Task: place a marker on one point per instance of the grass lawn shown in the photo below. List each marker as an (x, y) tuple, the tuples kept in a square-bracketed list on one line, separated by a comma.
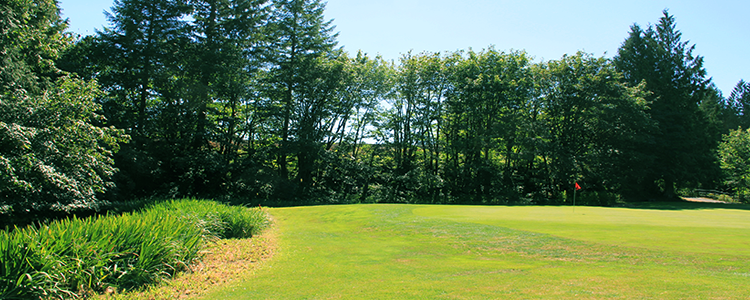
[(676, 251)]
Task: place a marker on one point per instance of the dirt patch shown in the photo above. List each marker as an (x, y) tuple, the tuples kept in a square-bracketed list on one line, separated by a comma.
[(703, 200)]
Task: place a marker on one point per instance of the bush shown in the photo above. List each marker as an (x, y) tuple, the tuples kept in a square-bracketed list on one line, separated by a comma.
[(734, 156), (72, 257), (53, 154)]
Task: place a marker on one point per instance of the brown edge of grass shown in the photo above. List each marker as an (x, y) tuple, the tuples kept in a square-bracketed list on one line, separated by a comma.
[(224, 261)]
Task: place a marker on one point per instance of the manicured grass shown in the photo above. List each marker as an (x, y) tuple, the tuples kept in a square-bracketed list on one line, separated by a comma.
[(471, 252), (709, 231)]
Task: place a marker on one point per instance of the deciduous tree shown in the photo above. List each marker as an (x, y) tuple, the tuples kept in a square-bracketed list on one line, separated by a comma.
[(55, 150), (593, 124), (734, 155)]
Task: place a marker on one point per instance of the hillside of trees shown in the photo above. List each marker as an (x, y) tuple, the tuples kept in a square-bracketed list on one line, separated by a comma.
[(253, 101)]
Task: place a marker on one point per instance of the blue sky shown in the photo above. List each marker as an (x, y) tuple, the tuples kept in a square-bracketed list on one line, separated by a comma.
[(546, 30)]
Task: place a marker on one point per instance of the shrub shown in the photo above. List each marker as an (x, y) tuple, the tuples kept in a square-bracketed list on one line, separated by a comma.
[(734, 156), (52, 153), (72, 257)]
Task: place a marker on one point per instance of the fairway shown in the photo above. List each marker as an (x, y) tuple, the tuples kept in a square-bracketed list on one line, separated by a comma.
[(480, 252)]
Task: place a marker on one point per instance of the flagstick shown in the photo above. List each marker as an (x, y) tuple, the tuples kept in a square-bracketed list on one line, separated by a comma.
[(574, 199)]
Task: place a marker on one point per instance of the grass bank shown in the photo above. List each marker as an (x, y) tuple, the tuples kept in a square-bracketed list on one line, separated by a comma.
[(77, 257), (476, 252)]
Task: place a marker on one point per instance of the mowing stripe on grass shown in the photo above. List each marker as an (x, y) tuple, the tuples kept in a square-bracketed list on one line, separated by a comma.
[(708, 231)]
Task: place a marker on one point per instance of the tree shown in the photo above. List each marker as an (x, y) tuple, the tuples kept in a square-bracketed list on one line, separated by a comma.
[(137, 62), (412, 127), (223, 63), (366, 86), (302, 46), (226, 37), (593, 124), (346, 164), (486, 111), (676, 78), (734, 155), (719, 114), (179, 76), (54, 151), (31, 36), (405, 112), (739, 103), (144, 42)]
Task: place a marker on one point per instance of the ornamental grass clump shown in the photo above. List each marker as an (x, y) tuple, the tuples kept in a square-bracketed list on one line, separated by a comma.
[(218, 220), (69, 258)]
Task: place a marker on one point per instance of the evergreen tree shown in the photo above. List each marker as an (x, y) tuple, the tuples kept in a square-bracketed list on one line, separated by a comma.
[(301, 43), (31, 36), (227, 37), (739, 102), (676, 79), (144, 41)]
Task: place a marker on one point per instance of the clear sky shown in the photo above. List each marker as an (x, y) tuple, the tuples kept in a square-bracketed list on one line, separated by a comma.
[(545, 29)]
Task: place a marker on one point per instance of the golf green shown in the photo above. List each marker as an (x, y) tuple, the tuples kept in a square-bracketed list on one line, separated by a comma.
[(497, 252)]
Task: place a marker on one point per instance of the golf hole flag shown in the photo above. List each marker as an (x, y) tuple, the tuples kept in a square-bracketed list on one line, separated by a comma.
[(578, 187)]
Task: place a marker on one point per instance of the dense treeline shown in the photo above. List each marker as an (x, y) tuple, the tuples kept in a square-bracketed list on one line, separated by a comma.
[(252, 100)]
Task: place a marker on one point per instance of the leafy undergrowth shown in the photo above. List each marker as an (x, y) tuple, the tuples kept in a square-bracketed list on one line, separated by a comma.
[(80, 257)]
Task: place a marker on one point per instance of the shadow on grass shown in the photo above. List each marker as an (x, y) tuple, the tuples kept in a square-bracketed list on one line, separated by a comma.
[(684, 205), (656, 205), (11, 221)]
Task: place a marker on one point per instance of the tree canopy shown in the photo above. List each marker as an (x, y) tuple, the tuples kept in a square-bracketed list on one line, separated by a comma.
[(676, 80), (55, 146), (252, 101)]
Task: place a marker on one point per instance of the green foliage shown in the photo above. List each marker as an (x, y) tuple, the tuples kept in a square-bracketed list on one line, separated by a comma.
[(178, 78), (53, 155), (55, 152), (73, 257), (31, 37), (251, 101), (739, 105), (676, 80), (214, 218), (591, 123), (304, 77), (734, 155)]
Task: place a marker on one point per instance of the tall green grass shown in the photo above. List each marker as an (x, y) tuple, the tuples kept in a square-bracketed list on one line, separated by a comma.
[(69, 258)]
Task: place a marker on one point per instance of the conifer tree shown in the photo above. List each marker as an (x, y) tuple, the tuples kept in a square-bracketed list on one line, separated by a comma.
[(676, 79), (31, 36), (143, 42), (739, 102), (301, 41)]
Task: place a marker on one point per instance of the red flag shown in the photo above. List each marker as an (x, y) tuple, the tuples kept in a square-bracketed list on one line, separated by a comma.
[(578, 187)]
